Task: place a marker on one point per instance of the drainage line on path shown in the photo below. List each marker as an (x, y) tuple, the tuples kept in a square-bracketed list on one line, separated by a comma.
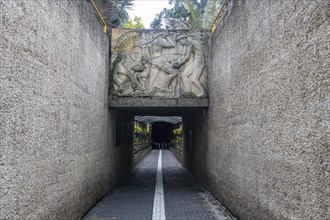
[(159, 203)]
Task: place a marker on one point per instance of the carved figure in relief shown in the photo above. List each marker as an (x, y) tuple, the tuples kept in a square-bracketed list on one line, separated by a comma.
[(190, 76), (121, 77), (159, 63), (129, 75), (156, 63)]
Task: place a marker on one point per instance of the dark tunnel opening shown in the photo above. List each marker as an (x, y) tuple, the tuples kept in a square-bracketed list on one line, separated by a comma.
[(157, 132), (161, 135)]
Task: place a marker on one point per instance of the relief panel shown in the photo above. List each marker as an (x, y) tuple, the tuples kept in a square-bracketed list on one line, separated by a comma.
[(159, 63)]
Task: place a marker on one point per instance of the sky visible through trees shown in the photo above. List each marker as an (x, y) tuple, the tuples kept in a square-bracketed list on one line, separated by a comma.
[(147, 9), (169, 14)]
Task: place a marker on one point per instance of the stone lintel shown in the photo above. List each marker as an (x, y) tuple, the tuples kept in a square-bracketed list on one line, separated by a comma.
[(157, 102)]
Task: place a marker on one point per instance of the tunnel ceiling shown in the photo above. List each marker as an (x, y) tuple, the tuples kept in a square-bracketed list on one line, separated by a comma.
[(151, 119)]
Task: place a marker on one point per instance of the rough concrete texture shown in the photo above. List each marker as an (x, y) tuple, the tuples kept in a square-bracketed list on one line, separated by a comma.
[(55, 158), (267, 155), (195, 143), (121, 155)]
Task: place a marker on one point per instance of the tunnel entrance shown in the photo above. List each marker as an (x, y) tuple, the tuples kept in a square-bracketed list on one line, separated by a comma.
[(161, 135), (157, 132)]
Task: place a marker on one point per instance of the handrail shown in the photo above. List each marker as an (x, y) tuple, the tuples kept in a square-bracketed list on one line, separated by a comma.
[(99, 15), (217, 20)]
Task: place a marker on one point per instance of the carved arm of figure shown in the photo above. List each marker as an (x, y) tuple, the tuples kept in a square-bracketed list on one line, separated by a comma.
[(184, 58), (135, 71)]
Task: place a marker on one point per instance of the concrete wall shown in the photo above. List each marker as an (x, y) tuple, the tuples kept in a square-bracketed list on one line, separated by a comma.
[(268, 155), (57, 155), (121, 152), (138, 157), (195, 143), (178, 155)]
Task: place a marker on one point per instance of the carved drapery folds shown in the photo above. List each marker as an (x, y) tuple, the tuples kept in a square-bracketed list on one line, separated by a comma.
[(160, 63)]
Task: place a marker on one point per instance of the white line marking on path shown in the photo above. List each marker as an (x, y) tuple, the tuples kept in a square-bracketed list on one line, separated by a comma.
[(159, 203)]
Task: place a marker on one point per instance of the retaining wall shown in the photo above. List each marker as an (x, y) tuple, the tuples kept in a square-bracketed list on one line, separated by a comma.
[(267, 155), (57, 154)]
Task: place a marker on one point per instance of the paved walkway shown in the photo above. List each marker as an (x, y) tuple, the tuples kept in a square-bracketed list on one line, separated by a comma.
[(134, 198)]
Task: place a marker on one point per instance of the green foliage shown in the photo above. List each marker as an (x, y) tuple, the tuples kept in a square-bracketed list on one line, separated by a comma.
[(194, 13), (135, 23), (184, 14), (178, 131), (177, 12), (211, 11), (137, 129), (177, 140), (157, 22), (141, 137), (118, 12), (141, 134)]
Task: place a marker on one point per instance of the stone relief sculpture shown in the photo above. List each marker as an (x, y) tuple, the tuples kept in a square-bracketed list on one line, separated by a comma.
[(129, 76), (158, 63), (191, 74)]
